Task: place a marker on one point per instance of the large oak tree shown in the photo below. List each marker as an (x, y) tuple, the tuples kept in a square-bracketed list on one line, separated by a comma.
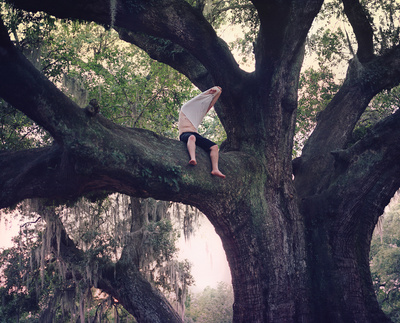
[(296, 233)]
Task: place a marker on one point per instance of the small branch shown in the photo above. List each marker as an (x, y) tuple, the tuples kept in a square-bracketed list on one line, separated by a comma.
[(147, 104), (32, 222)]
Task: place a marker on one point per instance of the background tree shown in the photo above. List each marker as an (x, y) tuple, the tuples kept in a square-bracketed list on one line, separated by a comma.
[(211, 305), (385, 258), (41, 286), (296, 236)]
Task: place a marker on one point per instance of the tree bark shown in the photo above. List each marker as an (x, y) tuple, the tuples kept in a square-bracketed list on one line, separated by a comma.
[(297, 248)]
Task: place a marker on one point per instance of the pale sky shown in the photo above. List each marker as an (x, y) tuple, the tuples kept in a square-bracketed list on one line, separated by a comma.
[(204, 250)]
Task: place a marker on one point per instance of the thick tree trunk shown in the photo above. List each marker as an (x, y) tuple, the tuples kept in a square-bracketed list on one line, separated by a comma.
[(268, 263)]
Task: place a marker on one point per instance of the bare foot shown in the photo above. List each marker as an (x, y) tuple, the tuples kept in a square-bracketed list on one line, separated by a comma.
[(217, 173), (193, 162)]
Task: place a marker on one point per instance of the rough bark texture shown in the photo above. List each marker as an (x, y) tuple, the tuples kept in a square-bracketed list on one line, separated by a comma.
[(298, 249)]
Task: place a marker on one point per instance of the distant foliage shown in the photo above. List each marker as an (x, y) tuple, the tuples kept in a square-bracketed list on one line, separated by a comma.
[(37, 285), (385, 260), (211, 305)]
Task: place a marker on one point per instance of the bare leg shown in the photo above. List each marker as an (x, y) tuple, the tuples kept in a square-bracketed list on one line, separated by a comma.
[(191, 146), (214, 155)]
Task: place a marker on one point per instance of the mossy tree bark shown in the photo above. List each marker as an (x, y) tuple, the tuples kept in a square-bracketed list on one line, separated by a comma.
[(296, 233)]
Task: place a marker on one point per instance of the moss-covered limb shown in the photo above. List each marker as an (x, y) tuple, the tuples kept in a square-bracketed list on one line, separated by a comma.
[(131, 161), (32, 93)]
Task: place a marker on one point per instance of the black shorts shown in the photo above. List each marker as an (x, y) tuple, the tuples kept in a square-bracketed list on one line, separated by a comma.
[(202, 142)]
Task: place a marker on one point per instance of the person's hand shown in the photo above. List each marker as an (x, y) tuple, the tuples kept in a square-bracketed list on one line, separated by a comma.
[(213, 90)]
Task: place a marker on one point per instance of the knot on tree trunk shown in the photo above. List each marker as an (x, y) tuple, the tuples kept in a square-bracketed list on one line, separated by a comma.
[(92, 108)]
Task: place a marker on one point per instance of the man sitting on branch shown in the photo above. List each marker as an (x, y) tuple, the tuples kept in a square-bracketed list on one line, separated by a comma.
[(191, 115)]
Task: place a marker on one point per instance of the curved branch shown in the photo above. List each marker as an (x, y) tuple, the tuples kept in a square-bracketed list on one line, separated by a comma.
[(372, 163), (32, 93), (171, 54), (337, 121), (92, 154), (367, 175), (174, 20), (362, 28)]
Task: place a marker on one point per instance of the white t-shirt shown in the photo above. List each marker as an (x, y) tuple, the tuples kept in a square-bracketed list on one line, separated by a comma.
[(196, 108)]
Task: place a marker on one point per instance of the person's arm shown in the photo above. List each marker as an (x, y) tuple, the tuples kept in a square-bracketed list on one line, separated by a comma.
[(216, 97)]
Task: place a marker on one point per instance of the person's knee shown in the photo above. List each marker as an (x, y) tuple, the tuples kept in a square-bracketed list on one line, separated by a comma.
[(214, 148), (192, 138)]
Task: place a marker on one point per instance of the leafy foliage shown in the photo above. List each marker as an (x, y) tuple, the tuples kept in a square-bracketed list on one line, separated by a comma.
[(385, 260), (211, 305), (40, 284), (17, 131)]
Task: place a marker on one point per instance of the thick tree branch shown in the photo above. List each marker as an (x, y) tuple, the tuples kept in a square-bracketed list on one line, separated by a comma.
[(129, 161), (337, 121), (91, 153), (362, 28), (174, 20), (137, 295), (370, 169), (284, 27)]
